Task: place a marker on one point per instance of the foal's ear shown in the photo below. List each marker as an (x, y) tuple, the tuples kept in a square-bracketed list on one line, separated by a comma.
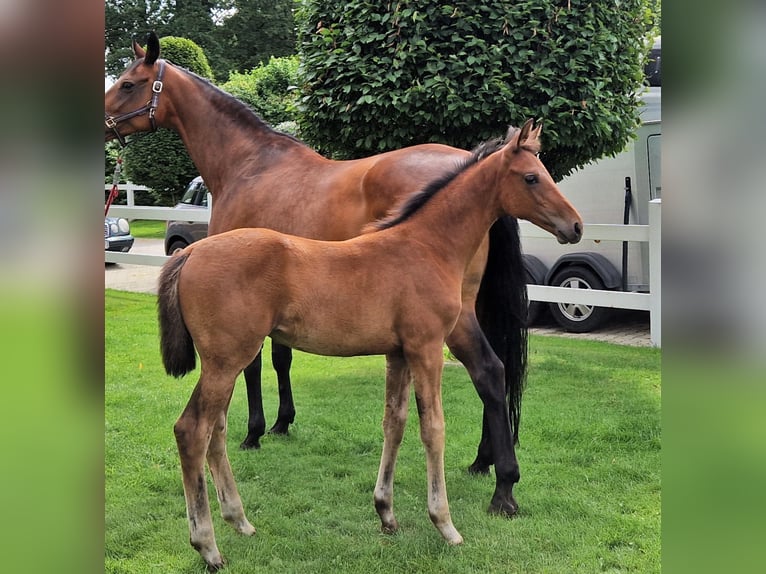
[(152, 49), (526, 129)]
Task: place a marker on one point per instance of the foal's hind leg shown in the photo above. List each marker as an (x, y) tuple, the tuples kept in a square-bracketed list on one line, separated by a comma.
[(471, 348), (228, 496), (194, 431), (394, 420), (426, 366), (282, 358)]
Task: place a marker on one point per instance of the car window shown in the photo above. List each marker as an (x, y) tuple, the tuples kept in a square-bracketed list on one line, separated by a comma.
[(188, 196), (653, 67), (201, 196)]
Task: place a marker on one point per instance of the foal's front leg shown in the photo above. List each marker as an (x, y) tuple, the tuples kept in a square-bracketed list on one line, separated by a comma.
[(394, 420)]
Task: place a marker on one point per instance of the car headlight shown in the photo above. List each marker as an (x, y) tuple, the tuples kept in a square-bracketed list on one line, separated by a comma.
[(123, 225), (114, 229)]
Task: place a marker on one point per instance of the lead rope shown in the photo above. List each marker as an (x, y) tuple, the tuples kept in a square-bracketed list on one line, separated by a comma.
[(115, 181)]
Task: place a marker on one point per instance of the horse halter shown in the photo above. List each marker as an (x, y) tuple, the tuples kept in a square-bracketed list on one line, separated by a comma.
[(150, 107)]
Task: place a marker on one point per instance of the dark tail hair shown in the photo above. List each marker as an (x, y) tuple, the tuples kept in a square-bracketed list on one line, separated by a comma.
[(501, 308), (176, 343)]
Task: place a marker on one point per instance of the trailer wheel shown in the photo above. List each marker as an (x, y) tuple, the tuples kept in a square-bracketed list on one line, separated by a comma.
[(575, 317), (535, 307)]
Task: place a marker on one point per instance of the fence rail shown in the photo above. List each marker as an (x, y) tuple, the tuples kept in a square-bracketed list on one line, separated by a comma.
[(650, 234)]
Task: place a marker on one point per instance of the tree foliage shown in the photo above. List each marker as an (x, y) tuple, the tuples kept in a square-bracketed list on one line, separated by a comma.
[(159, 160), (258, 30), (236, 35), (269, 89), (383, 75)]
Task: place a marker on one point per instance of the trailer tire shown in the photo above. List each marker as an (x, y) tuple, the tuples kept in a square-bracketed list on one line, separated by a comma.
[(535, 308), (577, 318)]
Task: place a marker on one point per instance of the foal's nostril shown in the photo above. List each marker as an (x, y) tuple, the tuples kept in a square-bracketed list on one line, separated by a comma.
[(578, 229)]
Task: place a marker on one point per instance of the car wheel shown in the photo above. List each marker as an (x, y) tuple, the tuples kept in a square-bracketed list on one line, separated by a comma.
[(176, 246), (575, 317)]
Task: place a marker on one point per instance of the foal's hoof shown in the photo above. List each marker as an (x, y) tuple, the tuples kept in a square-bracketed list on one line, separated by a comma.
[(250, 443), (389, 527), (216, 566)]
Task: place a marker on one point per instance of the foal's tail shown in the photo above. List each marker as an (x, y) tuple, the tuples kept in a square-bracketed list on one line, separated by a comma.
[(501, 307), (175, 340)]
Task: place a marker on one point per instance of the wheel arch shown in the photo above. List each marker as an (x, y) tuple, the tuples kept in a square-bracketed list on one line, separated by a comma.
[(600, 265)]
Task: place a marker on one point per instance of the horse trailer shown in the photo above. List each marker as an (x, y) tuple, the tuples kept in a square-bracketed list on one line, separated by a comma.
[(614, 190)]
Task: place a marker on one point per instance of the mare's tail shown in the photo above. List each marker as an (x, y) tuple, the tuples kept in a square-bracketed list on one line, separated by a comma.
[(176, 343), (501, 308)]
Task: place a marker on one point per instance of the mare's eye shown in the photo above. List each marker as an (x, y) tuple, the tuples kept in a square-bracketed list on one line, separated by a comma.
[(531, 179), (126, 85)]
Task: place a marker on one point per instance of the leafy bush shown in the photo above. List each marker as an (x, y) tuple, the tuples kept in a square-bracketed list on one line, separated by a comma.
[(159, 160), (379, 76), (269, 89)]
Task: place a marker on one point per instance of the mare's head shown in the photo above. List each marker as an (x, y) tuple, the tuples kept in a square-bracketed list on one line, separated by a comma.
[(130, 104), (528, 190)]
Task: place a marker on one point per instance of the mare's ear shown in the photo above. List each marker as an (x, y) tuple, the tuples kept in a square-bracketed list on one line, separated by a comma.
[(152, 49), (138, 51)]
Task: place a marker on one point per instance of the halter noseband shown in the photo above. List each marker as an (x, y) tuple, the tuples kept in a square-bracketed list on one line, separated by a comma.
[(151, 107)]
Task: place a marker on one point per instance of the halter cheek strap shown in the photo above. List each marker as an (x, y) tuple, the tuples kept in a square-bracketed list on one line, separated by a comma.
[(150, 108)]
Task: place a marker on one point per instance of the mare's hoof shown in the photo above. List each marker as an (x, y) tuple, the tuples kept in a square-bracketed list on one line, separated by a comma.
[(505, 508), (250, 443), (280, 428), (477, 468)]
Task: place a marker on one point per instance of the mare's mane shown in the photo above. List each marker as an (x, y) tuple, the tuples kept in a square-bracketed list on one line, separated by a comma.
[(240, 112), (414, 202)]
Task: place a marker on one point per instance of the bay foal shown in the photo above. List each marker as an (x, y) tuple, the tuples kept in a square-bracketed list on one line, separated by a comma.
[(395, 292)]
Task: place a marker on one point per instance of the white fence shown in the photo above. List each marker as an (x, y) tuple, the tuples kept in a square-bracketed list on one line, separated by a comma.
[(650, 234)]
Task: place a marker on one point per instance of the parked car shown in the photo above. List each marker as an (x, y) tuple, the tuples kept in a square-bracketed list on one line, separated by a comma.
[(117, 235), (180, 233)]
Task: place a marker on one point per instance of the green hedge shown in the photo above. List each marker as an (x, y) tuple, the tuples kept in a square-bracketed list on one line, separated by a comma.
[(382, 75)]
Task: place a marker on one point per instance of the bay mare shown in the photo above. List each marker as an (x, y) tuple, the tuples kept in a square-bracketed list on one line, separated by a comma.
[(262, 178), (396, 292)]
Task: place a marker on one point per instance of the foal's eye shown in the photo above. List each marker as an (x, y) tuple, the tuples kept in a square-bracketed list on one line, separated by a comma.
[(126, 85), (531, 179)]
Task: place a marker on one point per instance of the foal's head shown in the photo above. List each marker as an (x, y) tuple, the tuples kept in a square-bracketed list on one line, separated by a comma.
[(130, 104), (528, 190)]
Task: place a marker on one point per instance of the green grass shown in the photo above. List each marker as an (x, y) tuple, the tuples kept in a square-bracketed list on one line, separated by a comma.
[(590, 459), (147, 228)]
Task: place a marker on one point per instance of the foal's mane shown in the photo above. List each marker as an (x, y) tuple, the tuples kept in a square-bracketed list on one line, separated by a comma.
[(414, 202)]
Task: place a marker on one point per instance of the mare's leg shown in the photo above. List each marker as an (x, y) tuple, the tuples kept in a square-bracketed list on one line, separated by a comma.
[(282, 358), (228, 496), (426, 366), (468, 344), (256, 421), (394, 420), (194, 431)]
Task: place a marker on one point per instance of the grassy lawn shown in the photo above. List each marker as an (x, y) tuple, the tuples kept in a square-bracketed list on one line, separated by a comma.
[(147, 228), (589, 494)]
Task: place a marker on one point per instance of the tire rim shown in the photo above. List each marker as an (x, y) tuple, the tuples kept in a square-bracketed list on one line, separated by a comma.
[(575, 312)]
